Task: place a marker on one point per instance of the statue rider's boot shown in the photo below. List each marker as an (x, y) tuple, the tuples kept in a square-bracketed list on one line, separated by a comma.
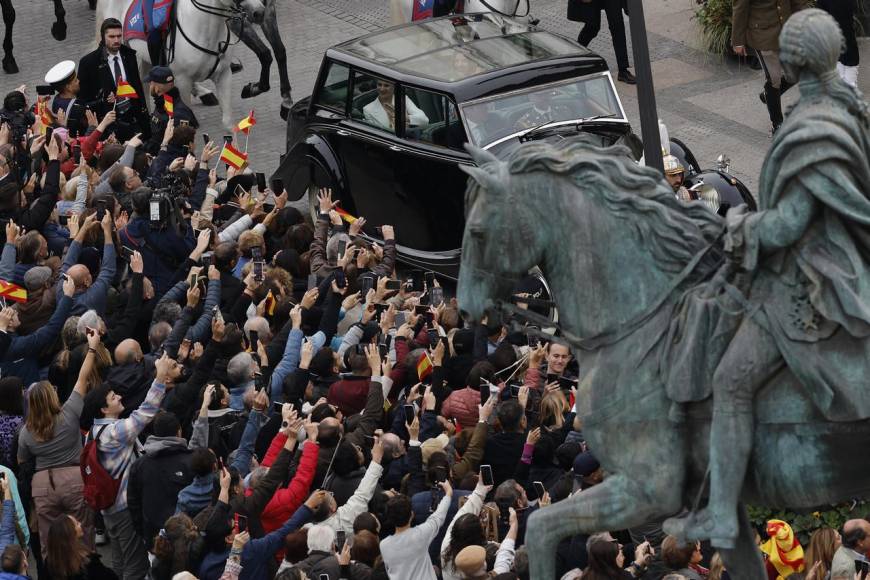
[(772, 97)]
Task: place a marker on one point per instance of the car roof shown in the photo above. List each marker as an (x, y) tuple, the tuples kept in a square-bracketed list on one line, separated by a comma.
[(454, 51)]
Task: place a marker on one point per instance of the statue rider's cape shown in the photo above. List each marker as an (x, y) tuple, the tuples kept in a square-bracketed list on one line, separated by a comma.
[(814, 295)]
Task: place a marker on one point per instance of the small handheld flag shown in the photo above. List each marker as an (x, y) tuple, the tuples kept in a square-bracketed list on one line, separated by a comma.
[(233, 157), (169, 105), (12, 291), (344, 215), (424, 367), (125, 89), (271, 303), (44, 113), (245, 124)]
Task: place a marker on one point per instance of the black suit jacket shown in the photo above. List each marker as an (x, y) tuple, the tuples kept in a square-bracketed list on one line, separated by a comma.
[(97, 83)]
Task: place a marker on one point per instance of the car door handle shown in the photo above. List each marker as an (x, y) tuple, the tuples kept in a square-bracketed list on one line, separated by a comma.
[(395, 148), (343, 133)]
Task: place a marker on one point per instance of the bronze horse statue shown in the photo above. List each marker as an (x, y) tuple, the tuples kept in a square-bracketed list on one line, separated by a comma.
[(619, 252)]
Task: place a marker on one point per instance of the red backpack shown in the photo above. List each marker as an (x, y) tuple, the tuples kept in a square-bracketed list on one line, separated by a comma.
[(101, 489)]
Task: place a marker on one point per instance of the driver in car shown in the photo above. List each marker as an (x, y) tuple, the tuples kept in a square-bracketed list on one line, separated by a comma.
[(543, 111), (382, 111), (675, 173)]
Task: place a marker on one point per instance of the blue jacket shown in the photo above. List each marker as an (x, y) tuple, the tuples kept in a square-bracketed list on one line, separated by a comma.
[(21, 359), (158, 249), (195, 497), (257, 553), (95, 296)]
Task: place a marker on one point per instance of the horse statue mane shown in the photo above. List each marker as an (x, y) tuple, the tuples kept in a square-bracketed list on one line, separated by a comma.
[(673, 230)]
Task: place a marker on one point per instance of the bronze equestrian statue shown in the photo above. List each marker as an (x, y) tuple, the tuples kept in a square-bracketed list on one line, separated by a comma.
[(758, 345)]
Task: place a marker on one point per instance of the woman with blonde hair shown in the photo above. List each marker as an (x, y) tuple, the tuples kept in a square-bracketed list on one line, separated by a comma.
[(823, 544), (51, 438), (717, 569)]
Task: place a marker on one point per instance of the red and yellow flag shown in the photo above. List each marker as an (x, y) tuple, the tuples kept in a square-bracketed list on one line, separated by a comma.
[(344, 215), (169, 105), (126, 90), (12, 291), (233, 157), (783, 550), (271, 303), (245, 124), (424, 367), (43, 112)]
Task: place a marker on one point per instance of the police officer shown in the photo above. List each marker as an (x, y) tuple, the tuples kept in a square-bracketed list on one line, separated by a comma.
[(63, 79), (756, 25), (162, 84)]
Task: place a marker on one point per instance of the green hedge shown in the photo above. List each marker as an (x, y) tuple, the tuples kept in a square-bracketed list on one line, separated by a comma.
[(805, 524)]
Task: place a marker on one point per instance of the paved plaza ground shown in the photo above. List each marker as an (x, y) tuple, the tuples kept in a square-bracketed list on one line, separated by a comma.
[(709, 103)]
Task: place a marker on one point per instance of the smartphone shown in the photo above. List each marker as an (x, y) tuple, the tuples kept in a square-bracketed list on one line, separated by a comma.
[(277, 186), (49, 133), (154, 211), (278, 406), (101, 209), (539, 489), (401, 318), (383, 349), (340, 538), (340, 279), (534, 340), (183, 122), (417, 280), (409, 414), (191, 280), (395, 285), (324, 577), (430, 280), (216, 312), (567, 384), (228, 139), (436, 296), (312, 281), (433, 337), (126, 253), (259, 274), (486, 475), (77, 153), (255, 340), (367, 284), (205, 138), (243, 523), (44, 90), (515, 391), (261, 182), (342, 247)]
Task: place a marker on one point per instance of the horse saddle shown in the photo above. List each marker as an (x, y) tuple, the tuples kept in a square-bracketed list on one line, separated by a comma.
[(147, 18)]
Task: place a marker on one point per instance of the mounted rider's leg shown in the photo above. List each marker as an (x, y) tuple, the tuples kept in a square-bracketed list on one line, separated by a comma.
[(751, 359)]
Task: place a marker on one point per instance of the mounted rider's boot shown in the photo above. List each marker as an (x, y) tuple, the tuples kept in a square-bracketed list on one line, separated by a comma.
[(286, 104), (9, 64)]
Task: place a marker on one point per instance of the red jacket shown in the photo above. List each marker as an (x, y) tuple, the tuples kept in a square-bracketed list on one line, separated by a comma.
[(462, 406), (349, 394), (288, 499)]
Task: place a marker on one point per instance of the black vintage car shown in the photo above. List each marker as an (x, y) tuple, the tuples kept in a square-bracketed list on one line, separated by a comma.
[(391, 112)]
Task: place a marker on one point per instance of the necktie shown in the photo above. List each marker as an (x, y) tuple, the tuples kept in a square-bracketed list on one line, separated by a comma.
[(118, 74)]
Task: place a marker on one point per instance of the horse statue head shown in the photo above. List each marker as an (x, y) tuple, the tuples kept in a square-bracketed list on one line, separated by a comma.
[(581, 212)]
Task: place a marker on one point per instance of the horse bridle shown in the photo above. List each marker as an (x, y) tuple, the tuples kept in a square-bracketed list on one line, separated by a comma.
[(516, 8), (228, 14)]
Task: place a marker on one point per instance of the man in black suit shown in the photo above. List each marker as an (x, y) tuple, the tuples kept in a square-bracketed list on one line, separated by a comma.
[(98, 74), (589, 13)]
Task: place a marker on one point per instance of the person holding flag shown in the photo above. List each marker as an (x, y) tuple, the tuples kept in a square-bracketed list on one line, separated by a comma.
[(168, 104), (63, 79)]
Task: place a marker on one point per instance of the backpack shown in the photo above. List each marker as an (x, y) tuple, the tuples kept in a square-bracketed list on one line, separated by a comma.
[(101, 489)]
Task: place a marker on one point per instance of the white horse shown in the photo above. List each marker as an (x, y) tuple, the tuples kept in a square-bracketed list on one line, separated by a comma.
[(203, 43), (402, 10)]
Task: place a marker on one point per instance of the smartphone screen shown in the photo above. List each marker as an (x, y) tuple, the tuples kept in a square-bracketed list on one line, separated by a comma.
[(205, 138), (101, 209), (49, 132), (515, 391), (312, 281), (436, 296), (409, 414), (278, 406), (417, 280), (539, 489), (261, 182), (366, 284), (259, 266), (400, 319), (154, 210), (394, 285), (430, 280), (255, 339), (486, 474), (340, 538), (243, 523), (433, 337), (340, 279), (383, 349), (277, 186), (342, 247)]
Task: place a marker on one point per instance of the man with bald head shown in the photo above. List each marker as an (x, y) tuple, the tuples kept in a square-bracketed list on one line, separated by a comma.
[(132, 375), (850, 557), (90, 294)]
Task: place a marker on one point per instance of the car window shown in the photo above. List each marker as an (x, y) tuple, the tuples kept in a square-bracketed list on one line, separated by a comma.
[(335, 87), (373, 101), (432, 118)]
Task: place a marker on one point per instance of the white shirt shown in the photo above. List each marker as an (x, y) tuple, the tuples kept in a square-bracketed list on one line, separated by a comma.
[(406, 555), (111, 60), (375, 114)]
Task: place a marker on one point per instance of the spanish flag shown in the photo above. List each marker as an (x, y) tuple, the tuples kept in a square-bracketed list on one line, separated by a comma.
[(44, 113), (12, 291), (233, 157), (125, 89), (784, 553), (344, 215), (245, 124), (271, 303), (169, 105), (424, 367)]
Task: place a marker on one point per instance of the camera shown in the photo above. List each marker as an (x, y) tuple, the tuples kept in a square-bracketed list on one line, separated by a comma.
[(18, 121)]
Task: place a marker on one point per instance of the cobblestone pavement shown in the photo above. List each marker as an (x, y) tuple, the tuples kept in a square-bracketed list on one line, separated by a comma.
[(708, 102)]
